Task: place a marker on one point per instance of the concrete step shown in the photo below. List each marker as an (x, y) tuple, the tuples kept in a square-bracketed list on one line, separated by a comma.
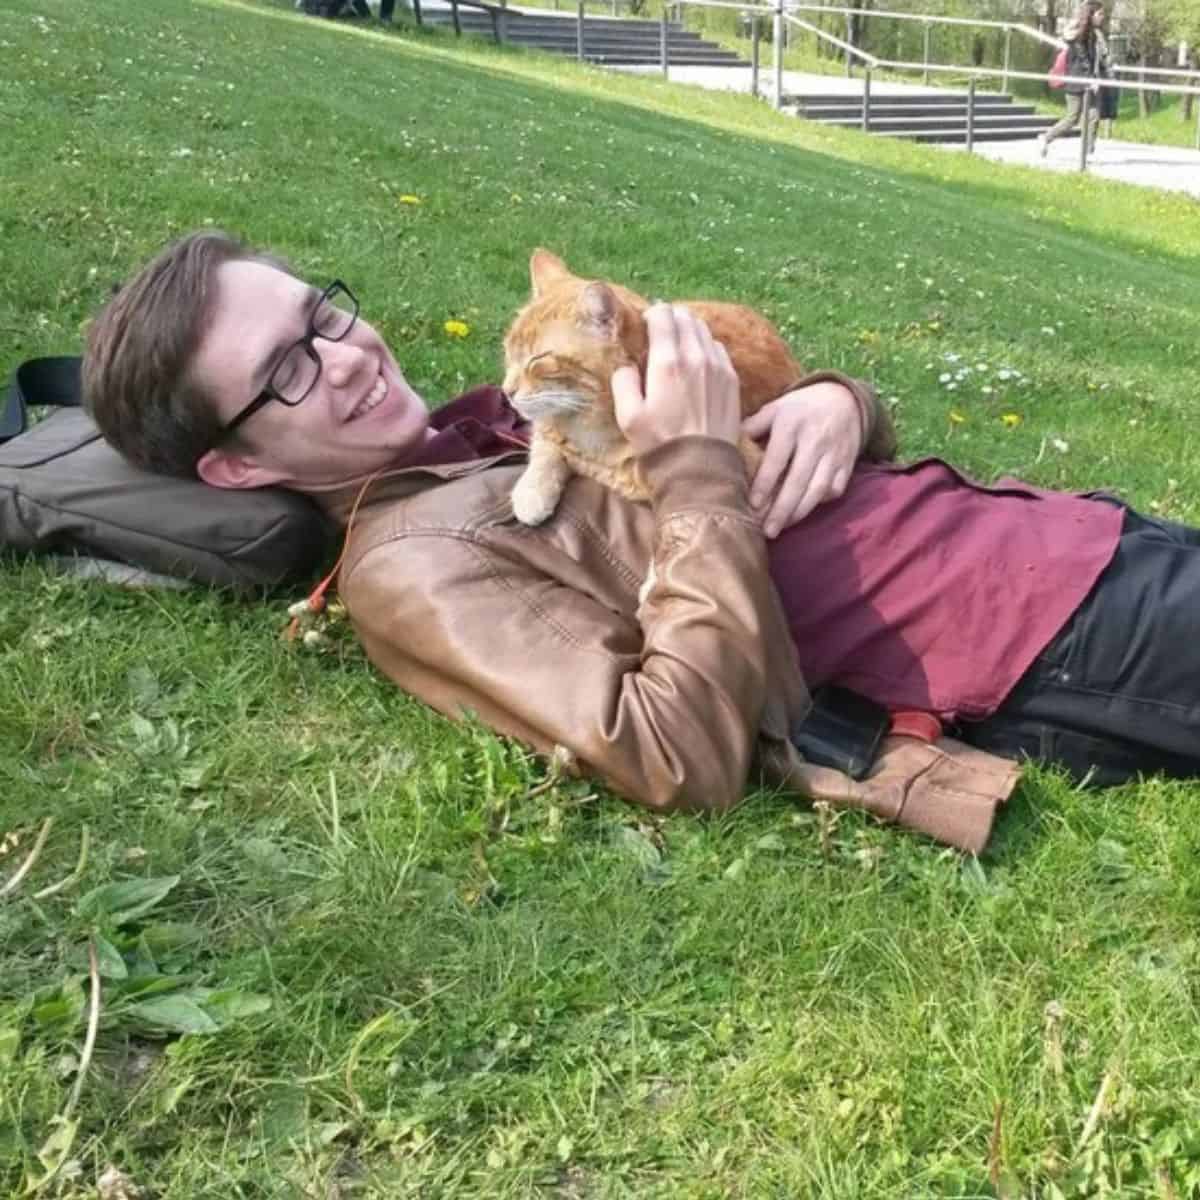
[(550, 24), (833, 99), (606, 41), (1034, 124), (959, 137), (883, 109)]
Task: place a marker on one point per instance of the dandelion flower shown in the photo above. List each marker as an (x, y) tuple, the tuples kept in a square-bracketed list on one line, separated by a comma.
[(457, 329), (1012, 420), (407, 199), (956, 417)]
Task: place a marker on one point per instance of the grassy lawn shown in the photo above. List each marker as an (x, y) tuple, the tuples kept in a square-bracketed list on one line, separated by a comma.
[(387, 997)]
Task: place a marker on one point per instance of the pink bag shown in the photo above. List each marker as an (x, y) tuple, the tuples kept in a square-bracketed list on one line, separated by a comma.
[(1059, 69)]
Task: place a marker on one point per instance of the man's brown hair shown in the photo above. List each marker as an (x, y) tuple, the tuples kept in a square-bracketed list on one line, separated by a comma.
[(139, 349)]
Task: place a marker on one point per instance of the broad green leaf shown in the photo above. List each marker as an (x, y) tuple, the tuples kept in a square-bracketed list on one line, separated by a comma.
[(153, 985), (163, 937), (57, 1146), (177, 1014), (228, 1005), (265, 854), (108, 959), (127, 900), (10, 1041), (143, 685)]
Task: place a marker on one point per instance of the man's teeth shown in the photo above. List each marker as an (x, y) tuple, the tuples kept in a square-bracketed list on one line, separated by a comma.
[(371, 399)]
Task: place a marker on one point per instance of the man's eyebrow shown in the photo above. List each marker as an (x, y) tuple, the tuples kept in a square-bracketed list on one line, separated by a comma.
[(308, 302)]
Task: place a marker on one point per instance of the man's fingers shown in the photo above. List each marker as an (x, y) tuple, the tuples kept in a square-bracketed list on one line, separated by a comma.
[(799, 494), (758, 424), (693, 335), (775, 462), (627, 395)]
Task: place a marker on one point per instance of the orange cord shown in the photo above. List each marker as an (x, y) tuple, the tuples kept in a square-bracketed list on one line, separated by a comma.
[(316, 598)]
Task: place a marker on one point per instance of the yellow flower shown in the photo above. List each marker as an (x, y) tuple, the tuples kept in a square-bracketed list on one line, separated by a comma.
[(410, 199), (1012, 420), (458, 329), (956, 417)]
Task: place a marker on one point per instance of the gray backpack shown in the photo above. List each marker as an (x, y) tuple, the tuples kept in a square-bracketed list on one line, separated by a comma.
[(63, 489)]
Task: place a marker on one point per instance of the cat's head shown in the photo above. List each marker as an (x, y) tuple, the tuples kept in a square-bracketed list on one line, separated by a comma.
[(564, 345)]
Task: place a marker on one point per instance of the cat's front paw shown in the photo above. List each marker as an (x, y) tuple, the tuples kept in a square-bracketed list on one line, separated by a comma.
[(532, 504)]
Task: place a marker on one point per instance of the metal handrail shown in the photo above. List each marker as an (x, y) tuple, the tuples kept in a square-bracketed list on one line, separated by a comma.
[(1037, 76), (932, 19), (781, 14), (848, 47), (1190, 72)]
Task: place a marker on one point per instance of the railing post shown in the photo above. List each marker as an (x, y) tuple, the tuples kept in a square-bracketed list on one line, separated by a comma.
[(866, 112), (755, 43), (928, 34), (971, 115), (417, 11), (777, 34), (1085, 116), (1198, 122), (502, 27), (454, 18), (1007, 57), (666, 39), (579, 31), (849, 41)]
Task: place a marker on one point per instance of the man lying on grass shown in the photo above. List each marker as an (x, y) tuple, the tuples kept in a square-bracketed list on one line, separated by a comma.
[(1033, 623)]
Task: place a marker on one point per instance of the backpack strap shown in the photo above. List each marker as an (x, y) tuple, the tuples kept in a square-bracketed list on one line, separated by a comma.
[(53, 380)]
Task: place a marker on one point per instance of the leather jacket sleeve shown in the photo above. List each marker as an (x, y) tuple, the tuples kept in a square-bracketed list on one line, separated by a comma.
[(665, 703)]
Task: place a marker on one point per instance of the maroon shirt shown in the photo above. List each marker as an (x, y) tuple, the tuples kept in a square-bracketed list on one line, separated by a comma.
[(918, 588)]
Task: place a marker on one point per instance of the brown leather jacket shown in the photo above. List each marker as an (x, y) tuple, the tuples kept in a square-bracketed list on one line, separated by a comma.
[(537, 632)]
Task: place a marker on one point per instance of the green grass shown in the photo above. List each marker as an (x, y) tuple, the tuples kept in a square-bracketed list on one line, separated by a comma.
[(413, 997)]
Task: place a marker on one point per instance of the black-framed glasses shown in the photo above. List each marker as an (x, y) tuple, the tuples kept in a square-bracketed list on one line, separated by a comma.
[(294, 376)]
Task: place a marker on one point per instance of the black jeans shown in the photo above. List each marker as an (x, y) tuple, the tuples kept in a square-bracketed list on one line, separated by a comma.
[(1117, 692)]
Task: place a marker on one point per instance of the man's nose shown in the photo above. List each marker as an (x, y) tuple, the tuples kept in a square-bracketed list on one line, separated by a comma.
[(341, 361)]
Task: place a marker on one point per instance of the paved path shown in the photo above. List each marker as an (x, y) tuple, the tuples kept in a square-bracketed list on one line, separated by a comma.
[(1171, 168)]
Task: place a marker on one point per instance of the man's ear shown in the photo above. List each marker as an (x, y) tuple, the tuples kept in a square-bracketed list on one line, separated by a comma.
[(224, 469)]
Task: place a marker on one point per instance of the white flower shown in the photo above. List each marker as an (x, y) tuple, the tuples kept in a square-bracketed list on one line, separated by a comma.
[(952, 358), (981, 366), (944, 377), (987, 391), (1049, 330), (951, 386), (1061, 446), (1004, 373)]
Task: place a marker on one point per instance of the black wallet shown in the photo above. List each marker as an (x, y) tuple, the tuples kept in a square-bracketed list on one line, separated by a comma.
[(842, 730)]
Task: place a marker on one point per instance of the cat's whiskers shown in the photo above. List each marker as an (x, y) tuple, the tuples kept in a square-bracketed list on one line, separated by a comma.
[(551, 403)]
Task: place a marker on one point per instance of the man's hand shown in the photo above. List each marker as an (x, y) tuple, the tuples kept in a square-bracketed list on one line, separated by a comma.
[(814, 437), (691, 388)]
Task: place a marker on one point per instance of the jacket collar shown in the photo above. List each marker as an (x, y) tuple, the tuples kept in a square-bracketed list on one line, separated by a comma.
[(473, 432)]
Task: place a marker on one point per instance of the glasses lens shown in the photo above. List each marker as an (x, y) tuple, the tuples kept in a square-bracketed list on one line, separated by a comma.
[(334, 315), (293, 378)]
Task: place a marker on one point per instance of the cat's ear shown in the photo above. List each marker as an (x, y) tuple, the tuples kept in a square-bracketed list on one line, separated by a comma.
[(598, 309), (546, 268)]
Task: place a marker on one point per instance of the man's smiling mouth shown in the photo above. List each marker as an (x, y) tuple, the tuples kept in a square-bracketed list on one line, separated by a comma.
[(372, 399)]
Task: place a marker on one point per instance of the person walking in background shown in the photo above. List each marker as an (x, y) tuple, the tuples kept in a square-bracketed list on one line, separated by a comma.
[(1087, 55)]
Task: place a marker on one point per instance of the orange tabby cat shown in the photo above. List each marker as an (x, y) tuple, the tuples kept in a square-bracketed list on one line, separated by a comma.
[(560, 354)]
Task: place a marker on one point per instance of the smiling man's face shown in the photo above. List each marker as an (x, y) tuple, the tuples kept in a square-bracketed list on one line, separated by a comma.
[(361, 415)]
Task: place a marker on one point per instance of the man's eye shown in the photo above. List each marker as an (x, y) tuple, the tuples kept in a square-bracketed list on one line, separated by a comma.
[(285, 373), (328, 319)]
